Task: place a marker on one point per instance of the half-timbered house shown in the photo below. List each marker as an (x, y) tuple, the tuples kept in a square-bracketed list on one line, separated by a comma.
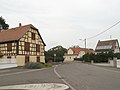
[(21, 45)]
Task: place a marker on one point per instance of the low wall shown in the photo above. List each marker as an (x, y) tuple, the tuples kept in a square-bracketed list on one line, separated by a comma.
[(3, 61), (6, 65), (118, 63)]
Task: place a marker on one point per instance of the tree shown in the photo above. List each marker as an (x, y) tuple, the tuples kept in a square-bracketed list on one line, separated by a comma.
[(3, 24), (75, 46), (58, 50)]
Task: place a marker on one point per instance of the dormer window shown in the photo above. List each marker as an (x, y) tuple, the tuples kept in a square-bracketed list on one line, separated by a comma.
[(33, 36)]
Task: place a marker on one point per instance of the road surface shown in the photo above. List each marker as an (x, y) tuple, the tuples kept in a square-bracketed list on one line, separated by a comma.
[(76, 75), (87, 77)]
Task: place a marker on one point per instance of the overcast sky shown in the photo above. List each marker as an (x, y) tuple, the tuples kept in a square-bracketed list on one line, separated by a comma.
[(64, 22)]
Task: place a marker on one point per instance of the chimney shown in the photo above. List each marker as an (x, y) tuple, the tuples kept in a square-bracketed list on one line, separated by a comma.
[(20, 24)]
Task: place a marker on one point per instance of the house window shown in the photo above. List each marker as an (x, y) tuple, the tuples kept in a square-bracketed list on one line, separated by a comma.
[(37, 47), (27, 46), (33, 36), (9, 47)]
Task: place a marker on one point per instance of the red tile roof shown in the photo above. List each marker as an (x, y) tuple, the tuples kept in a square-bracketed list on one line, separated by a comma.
[(77, 50), (15, 33)]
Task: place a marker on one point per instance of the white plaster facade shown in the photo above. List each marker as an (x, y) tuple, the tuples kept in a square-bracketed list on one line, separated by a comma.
[(73, 53)]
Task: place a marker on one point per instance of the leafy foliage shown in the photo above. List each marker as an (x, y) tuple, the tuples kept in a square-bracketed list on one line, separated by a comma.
[(36, 65), (117, 55), (100, 57), (3, 24), (58, 50), (33, 65)]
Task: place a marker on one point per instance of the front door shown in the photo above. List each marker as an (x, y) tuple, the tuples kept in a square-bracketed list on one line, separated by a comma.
[(26, 59), (38, 58)]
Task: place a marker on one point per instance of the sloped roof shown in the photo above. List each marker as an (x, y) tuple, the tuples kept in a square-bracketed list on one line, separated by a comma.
[(107, 43), (77, 50), (15, 33)]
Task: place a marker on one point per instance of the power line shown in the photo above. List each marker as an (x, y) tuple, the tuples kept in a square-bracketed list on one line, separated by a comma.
[(104, 30)]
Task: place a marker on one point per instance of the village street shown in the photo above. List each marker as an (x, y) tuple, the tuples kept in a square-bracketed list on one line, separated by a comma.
[(76, 75)]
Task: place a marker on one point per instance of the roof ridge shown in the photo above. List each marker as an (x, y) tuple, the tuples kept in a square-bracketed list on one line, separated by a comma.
[(109, 40), (21, 26)]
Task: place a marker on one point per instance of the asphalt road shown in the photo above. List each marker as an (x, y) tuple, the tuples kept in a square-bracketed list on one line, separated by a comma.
[(21, 76), (87, 77), (77, 75)]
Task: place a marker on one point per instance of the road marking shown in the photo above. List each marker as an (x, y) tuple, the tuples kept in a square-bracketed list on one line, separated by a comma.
[(62, 78), (42, 86), (22, 72)]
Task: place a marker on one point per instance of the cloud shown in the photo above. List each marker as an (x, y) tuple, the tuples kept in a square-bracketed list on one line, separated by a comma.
[(63, 22)]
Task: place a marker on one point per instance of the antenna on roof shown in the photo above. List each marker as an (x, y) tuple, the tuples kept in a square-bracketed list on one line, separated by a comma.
[(20, 24)]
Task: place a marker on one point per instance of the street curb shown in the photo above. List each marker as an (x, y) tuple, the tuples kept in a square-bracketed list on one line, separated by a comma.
[(71, 87)]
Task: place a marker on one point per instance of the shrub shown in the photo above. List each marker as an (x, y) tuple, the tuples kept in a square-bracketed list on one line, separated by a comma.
[(47, 65), (37, 65), (117, 55), (33, 65), (78, 59)]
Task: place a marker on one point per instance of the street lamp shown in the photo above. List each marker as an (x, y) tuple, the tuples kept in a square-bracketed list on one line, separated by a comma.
[(54, 57), (84, 41)]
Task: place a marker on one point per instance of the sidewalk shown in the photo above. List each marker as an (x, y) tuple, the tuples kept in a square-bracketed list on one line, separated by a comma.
[(101, 64), (5, 66)]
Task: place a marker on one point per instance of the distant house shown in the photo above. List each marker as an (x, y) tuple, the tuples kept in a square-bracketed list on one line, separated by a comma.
[(106, 46), (73, 53), (21, 45)]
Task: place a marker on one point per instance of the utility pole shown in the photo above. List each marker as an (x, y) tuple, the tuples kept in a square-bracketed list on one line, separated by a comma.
[(85, 45), (85, 41)]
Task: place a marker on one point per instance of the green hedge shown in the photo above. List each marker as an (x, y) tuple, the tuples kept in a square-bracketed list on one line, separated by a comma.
[(100, 57)]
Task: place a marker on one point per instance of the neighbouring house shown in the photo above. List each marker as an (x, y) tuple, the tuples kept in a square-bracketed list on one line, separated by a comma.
[(73, 53), (108, 45), (21, 45)]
